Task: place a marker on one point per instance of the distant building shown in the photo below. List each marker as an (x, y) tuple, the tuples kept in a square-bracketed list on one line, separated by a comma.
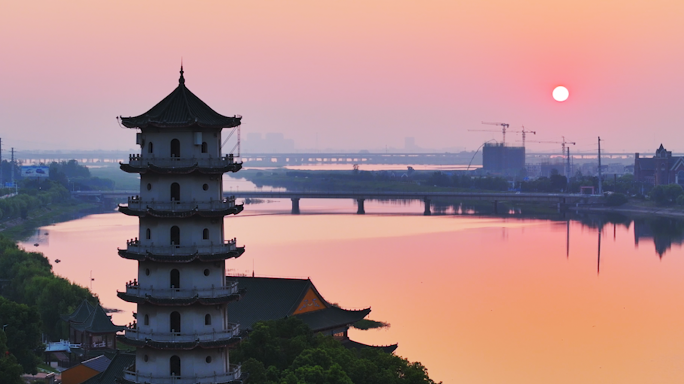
[(499, 158), (660, 169)]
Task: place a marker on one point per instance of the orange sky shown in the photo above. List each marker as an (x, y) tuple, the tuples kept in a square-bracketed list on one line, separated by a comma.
[(355, 74)]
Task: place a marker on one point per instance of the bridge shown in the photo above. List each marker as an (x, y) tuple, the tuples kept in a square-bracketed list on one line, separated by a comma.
[(562, 200), (304, 158)]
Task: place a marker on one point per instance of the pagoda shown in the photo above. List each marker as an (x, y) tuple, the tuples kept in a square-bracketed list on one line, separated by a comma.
[(181, 332)]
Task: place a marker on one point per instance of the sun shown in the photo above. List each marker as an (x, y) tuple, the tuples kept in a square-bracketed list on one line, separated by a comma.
[(560, 93)]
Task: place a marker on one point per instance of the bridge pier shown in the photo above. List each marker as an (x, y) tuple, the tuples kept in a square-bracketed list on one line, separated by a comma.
[(360, 210), (295, 205), (496, 207), (427, 212)]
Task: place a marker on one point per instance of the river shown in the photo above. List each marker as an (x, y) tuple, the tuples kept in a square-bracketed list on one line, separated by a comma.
[(475, 299)]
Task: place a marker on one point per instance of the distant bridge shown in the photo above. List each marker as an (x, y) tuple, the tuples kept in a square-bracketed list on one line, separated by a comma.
[(561, 199), (285, 159)]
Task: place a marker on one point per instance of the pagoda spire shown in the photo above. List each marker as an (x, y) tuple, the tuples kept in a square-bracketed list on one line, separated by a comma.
[(182, 79)]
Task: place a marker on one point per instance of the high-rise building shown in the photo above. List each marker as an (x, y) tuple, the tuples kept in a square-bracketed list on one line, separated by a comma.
[(181, 333)]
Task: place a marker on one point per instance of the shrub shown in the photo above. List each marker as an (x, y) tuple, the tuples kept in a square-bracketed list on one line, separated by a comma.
[(616, 199)]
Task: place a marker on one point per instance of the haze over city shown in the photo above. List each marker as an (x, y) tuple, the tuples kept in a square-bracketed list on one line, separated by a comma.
[(349, 76)]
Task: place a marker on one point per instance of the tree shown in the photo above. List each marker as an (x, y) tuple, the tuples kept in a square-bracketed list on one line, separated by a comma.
[(293, 354), (22, 330), (10, 369)]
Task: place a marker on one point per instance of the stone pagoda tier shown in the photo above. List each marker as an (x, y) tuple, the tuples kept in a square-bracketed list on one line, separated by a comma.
[(181, 333)]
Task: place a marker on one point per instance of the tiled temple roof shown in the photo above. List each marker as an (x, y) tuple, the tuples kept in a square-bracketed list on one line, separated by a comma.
[(181, 109)]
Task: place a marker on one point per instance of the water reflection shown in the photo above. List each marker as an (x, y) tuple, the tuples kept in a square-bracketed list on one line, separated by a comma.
[(477, 299), (663, 232)]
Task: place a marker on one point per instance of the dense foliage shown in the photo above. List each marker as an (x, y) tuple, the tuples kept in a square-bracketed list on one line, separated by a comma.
[(33, 195), (31, 282), (667, 194), (77, 177), (10, 369), (21, 324), (616, 199), (286, 351)]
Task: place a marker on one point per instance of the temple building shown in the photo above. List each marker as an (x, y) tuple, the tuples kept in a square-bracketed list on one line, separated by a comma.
[(276, 298), (661, 169), (92, 328), (181, 332)]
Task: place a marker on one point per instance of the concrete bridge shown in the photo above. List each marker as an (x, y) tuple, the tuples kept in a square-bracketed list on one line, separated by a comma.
[(562, 200)]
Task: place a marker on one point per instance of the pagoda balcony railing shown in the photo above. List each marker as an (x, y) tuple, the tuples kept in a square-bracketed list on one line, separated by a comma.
[(135, 246), (181, 162), (136, 333), (135, 203), (132, 376), (134, 289)]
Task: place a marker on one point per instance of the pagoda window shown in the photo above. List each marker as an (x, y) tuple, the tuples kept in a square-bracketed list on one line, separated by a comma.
[(175, 148), (147, 320), (205, 234), (175, 235), (207, 319), (175, 278), (204, 147), (150, 147), (148, 234), (175, 192), (175, 322), (175, 365)]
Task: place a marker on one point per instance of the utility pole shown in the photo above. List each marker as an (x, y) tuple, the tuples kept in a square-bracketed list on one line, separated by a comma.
[(2, 184), (12, 168), (600, 181), (567, 166)]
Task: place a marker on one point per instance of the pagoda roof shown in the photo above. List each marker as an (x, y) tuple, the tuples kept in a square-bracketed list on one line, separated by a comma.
[(114, 370), (181, 109), (276, 298), (97, 322), (80, 314)]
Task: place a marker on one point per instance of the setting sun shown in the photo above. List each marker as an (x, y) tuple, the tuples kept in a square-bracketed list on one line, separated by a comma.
[(560, 93)]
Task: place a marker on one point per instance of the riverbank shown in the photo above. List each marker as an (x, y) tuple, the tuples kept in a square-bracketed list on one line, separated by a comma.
[(20, 228)]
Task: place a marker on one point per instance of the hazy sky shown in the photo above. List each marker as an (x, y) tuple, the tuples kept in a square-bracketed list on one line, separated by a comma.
[(354, 74)]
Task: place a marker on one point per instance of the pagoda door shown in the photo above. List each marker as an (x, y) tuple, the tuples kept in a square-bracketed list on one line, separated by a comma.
[(175, 148), (175, 365)]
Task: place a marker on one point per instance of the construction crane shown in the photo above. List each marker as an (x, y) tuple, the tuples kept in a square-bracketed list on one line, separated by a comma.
[(562, 143), (504, 127), (523, 131)]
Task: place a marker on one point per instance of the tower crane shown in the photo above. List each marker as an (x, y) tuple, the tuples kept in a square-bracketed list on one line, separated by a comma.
[(504, 127), (523, 131), (562, 143)]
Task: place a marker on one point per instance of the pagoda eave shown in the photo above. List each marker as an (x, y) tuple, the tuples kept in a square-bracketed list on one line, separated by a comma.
[(137, 122), (182, 345), (204, 257), (180, 170), (184, 302), (161, 214)]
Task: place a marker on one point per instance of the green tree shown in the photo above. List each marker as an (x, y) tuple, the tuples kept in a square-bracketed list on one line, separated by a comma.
[(10, 369), (294, 355), (22, 330)]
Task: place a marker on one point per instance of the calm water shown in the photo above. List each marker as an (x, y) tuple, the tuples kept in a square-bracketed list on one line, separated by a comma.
[(475, 299)]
